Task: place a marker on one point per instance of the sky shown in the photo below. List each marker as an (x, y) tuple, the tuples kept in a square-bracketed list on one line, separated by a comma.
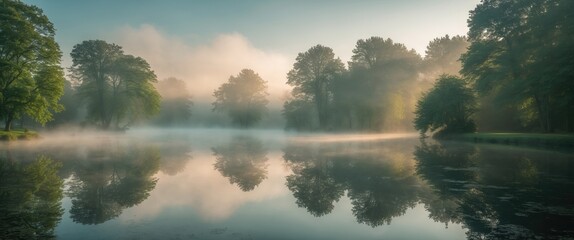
[(204, 42)]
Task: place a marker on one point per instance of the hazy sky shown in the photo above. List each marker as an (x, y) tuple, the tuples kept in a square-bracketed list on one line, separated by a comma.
[(204, 42)]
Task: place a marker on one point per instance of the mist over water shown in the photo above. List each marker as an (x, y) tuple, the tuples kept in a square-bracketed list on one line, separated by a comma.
[(262, 184)]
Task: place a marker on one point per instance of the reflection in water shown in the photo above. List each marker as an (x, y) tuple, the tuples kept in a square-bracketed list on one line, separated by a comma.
[(379, 181), (243, 160), (175, 154), (493, 192), (30, 195), (497, 193), (109, 180)]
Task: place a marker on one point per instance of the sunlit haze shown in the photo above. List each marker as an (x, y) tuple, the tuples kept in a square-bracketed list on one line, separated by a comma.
[(204, 42)]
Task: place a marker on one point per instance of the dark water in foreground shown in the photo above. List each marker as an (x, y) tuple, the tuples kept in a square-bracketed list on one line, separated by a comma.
[(216, 184)]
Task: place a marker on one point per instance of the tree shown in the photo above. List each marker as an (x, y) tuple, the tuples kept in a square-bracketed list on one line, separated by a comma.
[(31, 80), (243, 98), (312, 75), (521, 54), (69, 101), (382, 75), (448, 106), (175, 102), (118, 88), (443, 56)]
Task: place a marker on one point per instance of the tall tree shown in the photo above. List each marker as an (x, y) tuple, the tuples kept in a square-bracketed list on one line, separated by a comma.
[(520, 53), (31, 80), (116, 87), (243, 98), (382, 76), (443, 55), (312, 75)]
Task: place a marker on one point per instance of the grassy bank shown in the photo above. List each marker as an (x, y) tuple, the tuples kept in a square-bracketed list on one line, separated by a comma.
[(523, 139), (17, 135)]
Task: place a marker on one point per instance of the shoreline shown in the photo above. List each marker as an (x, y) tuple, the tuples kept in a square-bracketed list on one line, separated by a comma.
[(16, 135), (543, 140)]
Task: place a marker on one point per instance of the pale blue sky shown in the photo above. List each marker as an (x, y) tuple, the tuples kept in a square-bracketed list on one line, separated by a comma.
[(275, 31), (283, 26)]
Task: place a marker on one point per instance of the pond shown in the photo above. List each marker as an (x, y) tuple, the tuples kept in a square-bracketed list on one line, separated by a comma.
[(265, 184)]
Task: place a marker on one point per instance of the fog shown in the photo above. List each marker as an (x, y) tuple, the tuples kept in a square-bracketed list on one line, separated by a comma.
[(206, 66)]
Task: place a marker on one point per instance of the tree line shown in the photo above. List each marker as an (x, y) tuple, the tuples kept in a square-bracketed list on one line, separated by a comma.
[(511, 73), (378, 90), (520, 67)]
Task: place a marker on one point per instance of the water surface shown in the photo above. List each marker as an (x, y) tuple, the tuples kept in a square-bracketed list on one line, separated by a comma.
[(232, 184)]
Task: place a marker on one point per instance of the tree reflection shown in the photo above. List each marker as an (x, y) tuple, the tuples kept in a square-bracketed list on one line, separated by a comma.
[(379, 183), (30, 196), (175, 154), (312, 182), (495, 192), (243, 161), (110, 181)]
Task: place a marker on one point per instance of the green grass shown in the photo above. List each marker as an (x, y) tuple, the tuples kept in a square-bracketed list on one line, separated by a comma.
[(17, 135), (526, 139)]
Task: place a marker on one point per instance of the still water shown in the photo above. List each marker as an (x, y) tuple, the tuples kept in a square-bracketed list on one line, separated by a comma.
[(231, 184)]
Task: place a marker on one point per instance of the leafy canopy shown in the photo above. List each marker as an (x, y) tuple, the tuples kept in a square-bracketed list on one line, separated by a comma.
[(448, 106), (243, 98), (31, 80), (116, 87)]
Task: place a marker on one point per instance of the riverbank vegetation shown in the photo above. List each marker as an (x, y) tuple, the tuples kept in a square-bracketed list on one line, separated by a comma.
[(17, 134), (511, 73)]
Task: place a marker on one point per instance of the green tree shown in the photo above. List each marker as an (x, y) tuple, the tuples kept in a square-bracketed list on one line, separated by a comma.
[(312, 75), (243, 98), (521, 54), (443, 56), (118, 88), (69, 100), (300, 113), (380, 84), (448, 106), (31, 80), (175, 102)]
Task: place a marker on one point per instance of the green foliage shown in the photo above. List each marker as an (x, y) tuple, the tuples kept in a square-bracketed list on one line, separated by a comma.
[(243, 98), (69, 101), (300, 114), (377, 93), (311, 77), (521, 53), (443, 56), (31, 80), (448, 106), (30, 196), (117, 88), (175, 103), (18, 134)]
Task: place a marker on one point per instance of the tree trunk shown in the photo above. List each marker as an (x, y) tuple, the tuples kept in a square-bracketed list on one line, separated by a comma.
[(8, 123)]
